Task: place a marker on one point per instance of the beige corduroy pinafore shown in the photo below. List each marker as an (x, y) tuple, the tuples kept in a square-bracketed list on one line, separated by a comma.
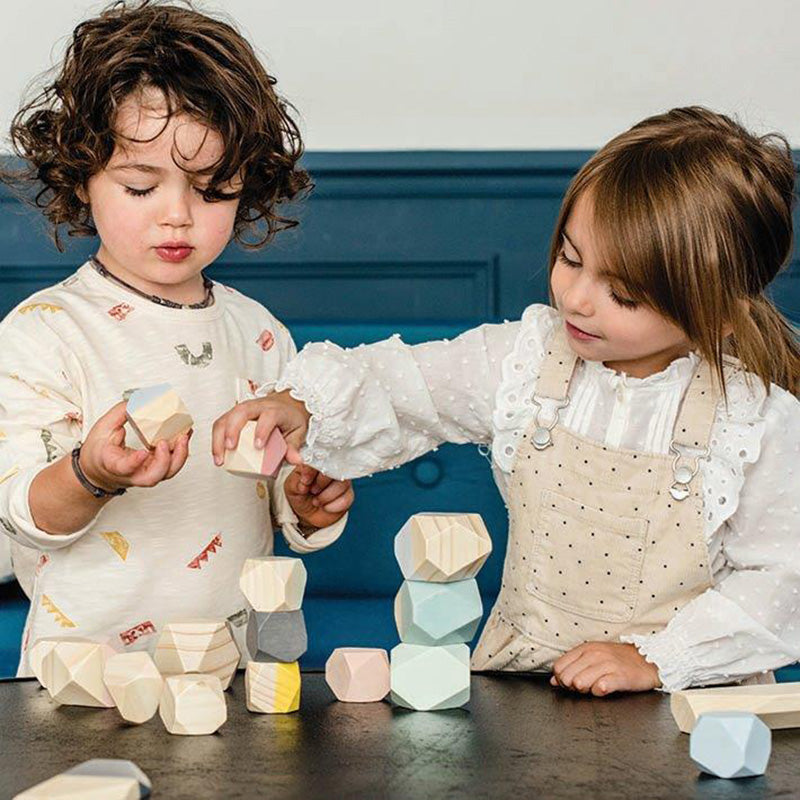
[(602, 542)]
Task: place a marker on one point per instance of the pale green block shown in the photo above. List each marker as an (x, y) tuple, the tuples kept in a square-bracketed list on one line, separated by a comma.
[(430, 678), (438, 613)]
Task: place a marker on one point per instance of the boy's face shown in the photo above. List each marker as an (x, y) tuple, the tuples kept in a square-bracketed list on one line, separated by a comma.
[(156, 230), (601, 323)]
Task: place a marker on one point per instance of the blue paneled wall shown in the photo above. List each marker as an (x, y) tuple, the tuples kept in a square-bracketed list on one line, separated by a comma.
[(425, 244)]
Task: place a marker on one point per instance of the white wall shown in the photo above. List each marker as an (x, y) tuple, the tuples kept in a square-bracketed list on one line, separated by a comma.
[(428, 74)]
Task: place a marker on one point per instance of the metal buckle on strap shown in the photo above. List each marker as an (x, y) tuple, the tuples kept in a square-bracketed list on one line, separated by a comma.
[(542, 437), (683, 473)]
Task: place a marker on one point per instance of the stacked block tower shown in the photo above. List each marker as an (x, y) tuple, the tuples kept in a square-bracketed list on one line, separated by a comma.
[(438, 608), (276, 632)]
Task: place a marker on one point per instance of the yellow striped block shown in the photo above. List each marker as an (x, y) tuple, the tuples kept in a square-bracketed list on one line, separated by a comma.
[(272, 687)]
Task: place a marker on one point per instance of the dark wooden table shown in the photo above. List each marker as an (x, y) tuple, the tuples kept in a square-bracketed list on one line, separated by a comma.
[(517, 738)]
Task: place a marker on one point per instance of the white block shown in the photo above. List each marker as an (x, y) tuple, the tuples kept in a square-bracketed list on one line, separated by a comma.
[(730, 744), (193, 705)]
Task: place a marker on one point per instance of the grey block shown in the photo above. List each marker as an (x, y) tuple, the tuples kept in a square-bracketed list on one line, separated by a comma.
[(114, 768), (276, 635)]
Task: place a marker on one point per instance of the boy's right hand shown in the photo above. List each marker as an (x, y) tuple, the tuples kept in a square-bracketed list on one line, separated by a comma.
[(277, 410), (108, 463)]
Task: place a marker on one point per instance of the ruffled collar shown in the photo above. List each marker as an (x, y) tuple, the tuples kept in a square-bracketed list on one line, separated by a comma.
[(678, 371)]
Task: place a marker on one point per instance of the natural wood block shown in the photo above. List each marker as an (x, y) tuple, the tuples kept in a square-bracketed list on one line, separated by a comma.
[(273, 583), (73, 673), (198, 645), (438, 613), (82, 787), (276, 636), (776, 704), (114, 768), (430, 678), (730, 744), (193, 705), (135, 683), (358, 674), (249, 462), (157, 412), (41, 647), (272, 687), (442, 547)]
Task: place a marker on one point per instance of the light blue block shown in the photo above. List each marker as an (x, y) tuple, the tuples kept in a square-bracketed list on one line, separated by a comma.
[(114, 768), (141, 397), (730, 744), (430, 678), (438, 613)]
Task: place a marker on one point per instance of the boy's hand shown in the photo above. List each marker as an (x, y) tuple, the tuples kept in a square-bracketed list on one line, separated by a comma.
[(605, 667), (317, 500), (108, 463), (277, 410)]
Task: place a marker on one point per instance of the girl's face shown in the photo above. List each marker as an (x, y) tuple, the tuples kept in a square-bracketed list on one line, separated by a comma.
[(602, 322), (156, 230)]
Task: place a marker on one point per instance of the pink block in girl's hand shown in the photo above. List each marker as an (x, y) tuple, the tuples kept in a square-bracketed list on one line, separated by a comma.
[(274, 453)]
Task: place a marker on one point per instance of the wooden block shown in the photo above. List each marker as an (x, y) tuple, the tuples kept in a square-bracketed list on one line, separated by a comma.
[(730, 744), (40, 648), (438, 613), (198, 645), (272, 687), (358, 674), (430, 678), (135, 684), (273, 583), (193, 705), (114, 768), (249, 462), (276, 636), (157, 412), (442, 547), (776, 704), (82, 787), (73, 673)]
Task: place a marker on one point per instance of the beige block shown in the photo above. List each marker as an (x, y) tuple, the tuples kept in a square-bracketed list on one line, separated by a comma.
[(135, 684), (40, 648), (197, 645), (442, 547), (358, 674), (73, 673), (272, 687), (273, 583), (776, 704), (193, 705), (82, 787), (247, 461), (157, 412)]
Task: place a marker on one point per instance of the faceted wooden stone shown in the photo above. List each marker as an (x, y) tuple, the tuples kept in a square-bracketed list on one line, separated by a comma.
[(156, 413), (438, 613), (358, 674), (193, 705), (41, 647), (430, 678), (777, 705), (442, 547), (82, 787), (198, 645), (247, 461), (276, 636), (114, 768), (135, 683), (73, 673), (273, 583), (730, 744), (272, 687)]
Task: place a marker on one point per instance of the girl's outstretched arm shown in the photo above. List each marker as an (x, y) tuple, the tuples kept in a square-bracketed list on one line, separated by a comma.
[(357, 411)]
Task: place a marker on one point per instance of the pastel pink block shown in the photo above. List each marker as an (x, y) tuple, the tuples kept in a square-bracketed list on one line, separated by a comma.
[(358, 674), (248, 461), (274, 453)]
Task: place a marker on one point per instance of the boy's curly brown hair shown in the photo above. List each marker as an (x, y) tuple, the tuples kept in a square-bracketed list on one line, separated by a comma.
[(204, 68)]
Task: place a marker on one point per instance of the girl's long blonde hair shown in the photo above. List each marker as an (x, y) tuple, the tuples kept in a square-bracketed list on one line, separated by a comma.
[(693, 215)]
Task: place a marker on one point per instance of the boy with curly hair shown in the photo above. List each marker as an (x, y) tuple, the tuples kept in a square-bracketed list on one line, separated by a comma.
[(162, 134)]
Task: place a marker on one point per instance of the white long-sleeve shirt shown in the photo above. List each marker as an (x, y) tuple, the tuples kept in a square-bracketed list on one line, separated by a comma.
[(68, 354), (375, 407)]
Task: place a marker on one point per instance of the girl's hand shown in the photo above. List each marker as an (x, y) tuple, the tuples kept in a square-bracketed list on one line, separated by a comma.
[(277, 410), (108, 463), (601, 668), (317, 500)]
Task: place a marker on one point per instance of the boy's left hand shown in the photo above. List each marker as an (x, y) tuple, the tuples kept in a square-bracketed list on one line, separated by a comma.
[(601, 668), (317, 500)]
